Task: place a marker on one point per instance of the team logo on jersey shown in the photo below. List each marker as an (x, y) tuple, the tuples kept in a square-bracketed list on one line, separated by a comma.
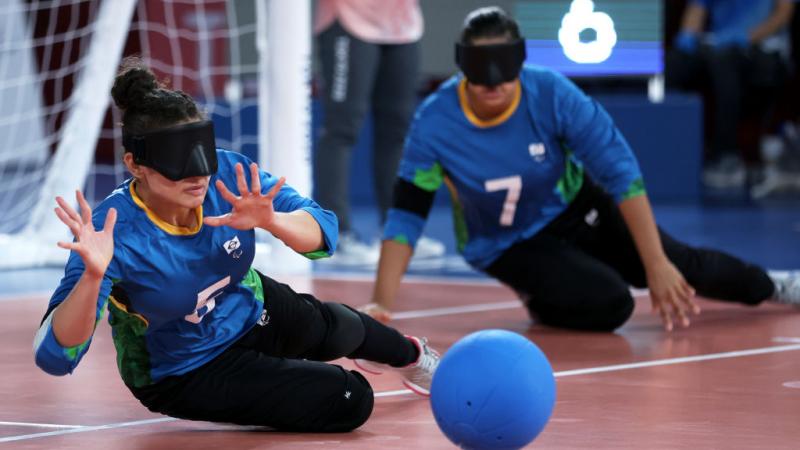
[(232, 247), (537, 151)]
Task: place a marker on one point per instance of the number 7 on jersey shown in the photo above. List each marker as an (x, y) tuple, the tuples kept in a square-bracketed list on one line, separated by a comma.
[(513, 185)]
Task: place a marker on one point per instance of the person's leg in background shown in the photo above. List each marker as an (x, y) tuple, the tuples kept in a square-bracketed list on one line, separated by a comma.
[(765, 79), (717, 74), (684, 69), (349, 70), (725, 69), (394, 100)]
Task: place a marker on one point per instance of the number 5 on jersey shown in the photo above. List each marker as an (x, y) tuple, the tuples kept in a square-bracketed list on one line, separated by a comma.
[(513, 185), (205, 300)]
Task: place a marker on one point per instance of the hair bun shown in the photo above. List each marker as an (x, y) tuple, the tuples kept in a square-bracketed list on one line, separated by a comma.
[(133, 82)]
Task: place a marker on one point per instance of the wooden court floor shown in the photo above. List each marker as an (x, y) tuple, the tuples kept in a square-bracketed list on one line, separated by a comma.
[(730, 381)]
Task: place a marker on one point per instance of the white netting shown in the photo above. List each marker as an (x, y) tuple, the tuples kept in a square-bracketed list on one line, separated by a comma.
[(57, 62), (37, 73), (196, 47)]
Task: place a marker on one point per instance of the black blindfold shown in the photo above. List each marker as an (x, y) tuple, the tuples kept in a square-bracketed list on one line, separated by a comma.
[(491, 65), (177, 152)]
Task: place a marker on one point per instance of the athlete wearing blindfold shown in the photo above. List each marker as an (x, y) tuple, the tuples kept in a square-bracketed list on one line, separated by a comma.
[(547, 197), (199, 333)]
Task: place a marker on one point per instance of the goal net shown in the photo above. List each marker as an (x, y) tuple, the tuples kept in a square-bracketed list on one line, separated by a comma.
[(246, 62)]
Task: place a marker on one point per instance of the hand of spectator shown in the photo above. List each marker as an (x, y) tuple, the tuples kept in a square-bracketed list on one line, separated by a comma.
[(686, 42)]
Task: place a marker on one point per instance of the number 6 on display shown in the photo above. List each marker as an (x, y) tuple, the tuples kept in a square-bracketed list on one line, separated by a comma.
[(514, 186)]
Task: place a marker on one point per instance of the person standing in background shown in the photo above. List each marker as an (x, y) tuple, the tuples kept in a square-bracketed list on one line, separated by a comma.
[(740, 48), (369, 50)]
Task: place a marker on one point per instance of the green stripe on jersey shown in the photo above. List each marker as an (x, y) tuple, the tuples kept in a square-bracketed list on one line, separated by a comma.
[(571, 181), (133, 359), (635, 189), (252, 281), (429, 180), (73, 352)]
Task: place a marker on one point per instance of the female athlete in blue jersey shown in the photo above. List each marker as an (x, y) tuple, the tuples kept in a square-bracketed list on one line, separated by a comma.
[(200, 334), (547, 197)]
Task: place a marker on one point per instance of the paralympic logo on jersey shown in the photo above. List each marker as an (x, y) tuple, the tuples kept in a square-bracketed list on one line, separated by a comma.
[(232, 247), (537, 151)]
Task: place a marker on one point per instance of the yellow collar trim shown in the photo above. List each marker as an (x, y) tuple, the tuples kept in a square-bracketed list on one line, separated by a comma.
[(470, 115), (166, 226)]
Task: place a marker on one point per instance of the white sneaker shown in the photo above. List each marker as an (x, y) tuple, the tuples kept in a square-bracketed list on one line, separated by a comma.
[(787, 287), (428, 248), (418, 375), (351, 250), (728, 172)]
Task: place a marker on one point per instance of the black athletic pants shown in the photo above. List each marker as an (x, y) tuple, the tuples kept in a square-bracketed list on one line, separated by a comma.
[(274, 375), (576, 272), (740, 80)]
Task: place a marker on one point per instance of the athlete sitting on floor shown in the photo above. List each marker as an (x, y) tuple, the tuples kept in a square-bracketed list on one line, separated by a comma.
[(547, 197), (199, 333)]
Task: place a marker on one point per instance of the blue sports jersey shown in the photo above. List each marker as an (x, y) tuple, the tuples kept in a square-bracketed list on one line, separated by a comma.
[(509, 177), (733, 20), (739, 15), (176, 297)]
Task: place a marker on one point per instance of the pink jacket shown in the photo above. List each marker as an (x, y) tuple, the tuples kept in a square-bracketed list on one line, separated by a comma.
[(374, 21)]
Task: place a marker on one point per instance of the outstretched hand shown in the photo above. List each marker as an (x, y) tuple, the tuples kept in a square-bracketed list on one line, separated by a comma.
[(251, 208), (671, 296), (96, 248)]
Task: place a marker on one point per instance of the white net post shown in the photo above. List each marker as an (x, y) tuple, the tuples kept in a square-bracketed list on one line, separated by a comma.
[(284, 48), (88, 104)]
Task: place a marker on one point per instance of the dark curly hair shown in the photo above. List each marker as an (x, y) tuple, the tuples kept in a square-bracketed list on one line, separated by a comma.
[(145, 103), (488, 22)]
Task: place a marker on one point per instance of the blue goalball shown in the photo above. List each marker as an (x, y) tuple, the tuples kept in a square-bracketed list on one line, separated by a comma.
[(493, 389)]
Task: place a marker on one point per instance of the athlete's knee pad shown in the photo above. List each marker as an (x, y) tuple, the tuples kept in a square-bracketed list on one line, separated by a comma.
[(355, 407), (345, 332)]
